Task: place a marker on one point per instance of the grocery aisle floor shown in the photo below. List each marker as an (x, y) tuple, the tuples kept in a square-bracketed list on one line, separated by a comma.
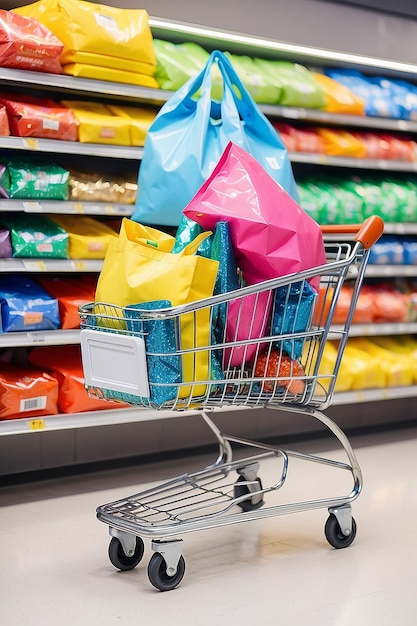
[(54, 567)]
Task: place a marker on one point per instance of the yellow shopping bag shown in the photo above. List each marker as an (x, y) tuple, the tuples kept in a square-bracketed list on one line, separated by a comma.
[(139, 267)]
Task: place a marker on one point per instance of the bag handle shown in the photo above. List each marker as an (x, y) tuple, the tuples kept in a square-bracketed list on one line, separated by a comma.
[(195, 244), (192, 86), (244, 102)]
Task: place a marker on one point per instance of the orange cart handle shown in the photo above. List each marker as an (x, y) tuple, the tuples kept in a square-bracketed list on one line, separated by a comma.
[(367, 233)]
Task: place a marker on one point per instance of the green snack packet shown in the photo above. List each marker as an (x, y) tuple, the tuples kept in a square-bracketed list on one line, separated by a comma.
[(30, 179), (412, 195), (259, 83), (406, 201), (330, 210), (370, 194), (298, 88), (352, 203), (36, 236), (309, 201), (177, 63), (394, 200)]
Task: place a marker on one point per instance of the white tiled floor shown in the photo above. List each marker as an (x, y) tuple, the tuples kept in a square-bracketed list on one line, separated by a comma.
[(54, 567)]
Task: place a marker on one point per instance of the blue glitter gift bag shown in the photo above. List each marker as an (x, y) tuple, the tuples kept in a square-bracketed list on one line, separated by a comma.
[(292, 313), (164, 364)]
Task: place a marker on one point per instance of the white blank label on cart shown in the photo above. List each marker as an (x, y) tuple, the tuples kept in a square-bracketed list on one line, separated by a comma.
[(115, 362)]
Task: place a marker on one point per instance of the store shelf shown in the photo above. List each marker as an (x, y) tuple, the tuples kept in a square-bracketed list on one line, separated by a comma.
[(374, 395), (346, 162), (82, 86), (390, 271), (131, 414), (67, 207), (375, 330), (64, 421), (40, 338), (71, 147), (405, 228), (298, 114), (50, 265)]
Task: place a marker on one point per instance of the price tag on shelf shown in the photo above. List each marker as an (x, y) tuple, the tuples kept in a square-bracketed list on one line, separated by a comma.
[(31, 143), (360, 396), (293, 112), (34, 266), (32, 207), (36, 337), (37, 424), (80, 266), (78, 207)]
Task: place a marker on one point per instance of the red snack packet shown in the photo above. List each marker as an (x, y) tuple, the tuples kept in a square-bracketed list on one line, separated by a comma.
[(42, 118), (26, 392), (26, 44)]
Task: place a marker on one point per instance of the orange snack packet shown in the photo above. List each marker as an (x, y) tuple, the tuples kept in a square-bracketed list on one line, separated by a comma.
[(26, 392)]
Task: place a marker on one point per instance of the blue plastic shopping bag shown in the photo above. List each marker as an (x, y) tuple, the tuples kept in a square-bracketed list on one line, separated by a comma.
[(188, 137)]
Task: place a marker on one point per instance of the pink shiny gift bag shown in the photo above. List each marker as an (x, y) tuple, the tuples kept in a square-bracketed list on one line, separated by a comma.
[(247, 319), (271, 234)]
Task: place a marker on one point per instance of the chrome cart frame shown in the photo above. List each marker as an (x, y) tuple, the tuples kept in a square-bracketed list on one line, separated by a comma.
[(281, 368)]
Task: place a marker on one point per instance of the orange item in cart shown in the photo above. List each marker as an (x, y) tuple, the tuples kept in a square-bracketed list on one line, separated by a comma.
[(71, 293), (26, 392), (42, 118), (65, 365), (4, 122), (25, 44), (274, 364)]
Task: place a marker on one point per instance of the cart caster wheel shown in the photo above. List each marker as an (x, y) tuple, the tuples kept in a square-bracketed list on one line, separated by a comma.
[(243, 490), (118, 557), (334, 533), (158, 575)]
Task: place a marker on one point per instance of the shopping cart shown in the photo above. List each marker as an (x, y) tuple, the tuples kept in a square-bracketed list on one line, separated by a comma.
[(259, 347)]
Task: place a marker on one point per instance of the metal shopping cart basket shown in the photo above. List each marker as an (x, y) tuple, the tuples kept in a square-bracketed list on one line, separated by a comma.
[(259, 347)]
